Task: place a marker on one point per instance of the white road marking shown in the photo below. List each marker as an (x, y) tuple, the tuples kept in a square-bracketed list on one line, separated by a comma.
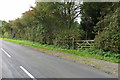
[(26, 72), (5, 52)]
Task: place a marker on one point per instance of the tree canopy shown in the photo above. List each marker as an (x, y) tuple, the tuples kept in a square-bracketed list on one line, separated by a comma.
[(55, 23)]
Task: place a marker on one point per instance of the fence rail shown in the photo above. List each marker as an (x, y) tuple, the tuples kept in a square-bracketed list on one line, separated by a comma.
[(78, 44), (84, 43)]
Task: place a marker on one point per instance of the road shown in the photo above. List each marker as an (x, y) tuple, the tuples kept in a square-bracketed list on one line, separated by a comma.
[(19, 61)]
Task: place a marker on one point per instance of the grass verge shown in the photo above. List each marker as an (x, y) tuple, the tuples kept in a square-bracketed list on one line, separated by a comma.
[(90, 53)]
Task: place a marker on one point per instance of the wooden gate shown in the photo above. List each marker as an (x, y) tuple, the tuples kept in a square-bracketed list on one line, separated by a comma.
[(84, 44)]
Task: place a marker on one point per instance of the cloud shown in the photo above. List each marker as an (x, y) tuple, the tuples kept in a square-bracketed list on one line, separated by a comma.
[(12, 9)]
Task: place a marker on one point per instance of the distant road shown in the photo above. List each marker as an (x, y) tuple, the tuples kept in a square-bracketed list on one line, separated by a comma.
[(23, 62)]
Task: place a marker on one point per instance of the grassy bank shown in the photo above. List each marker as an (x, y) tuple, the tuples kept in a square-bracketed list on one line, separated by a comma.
[(90, 53)]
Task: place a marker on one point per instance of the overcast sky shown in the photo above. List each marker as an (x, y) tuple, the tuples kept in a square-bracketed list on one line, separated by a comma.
[(12, 9)]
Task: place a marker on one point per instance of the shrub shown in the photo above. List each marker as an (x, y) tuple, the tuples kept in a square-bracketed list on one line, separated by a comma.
[(109, 38)]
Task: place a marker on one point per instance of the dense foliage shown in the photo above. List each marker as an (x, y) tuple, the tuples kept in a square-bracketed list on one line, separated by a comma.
[(56, 24), (109, 38)]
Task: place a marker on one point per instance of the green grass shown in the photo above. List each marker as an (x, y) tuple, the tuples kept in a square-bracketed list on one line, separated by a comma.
[(90, 53)]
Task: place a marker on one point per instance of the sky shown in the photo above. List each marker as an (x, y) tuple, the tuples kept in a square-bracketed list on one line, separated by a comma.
[(12, 9)]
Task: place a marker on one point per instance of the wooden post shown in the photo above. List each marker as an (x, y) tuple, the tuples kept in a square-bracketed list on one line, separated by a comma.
[(73, 45)]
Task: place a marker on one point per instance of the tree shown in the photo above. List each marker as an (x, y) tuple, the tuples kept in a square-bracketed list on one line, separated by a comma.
[(91, 14), (108, 39), (5, 29)]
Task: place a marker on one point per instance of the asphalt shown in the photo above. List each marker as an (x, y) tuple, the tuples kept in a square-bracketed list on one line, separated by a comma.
[(19, 61)]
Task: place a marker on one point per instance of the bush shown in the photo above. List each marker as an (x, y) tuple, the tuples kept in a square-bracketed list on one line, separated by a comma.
[(109, 41), (109, 38)]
